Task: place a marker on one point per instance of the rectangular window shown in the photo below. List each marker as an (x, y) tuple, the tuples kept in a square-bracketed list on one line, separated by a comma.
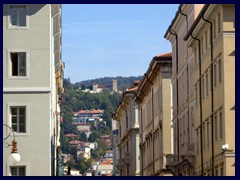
[(18, 119), (215, 75), (216, 128), (197, 142), (18, 64), (219, 70), (219, 23), (221, 171), (202, 45), (18, 170), (216, 171), (208, 137), (206, 84), (196, 55), (214, 28), (220, 126), (206, 40), (18, 16), (203, 136), (203, 87), (196, 95)]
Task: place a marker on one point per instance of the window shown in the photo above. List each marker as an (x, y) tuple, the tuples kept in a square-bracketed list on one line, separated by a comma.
[(214, 28), (203, 138), (18, 64), (216, 128), (215, 75), (208, 137), (18, 16), (202, 45), (206, 40), (221, 126), (219, 70), (221, 171), (196, 95), (197, 142), (196, 55), (219, 23), (18, 119), (18, 170), (216, 171), (206, 83), (203, 87)]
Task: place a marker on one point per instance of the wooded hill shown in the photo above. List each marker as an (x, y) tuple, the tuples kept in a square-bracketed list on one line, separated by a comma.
[(122, 82)]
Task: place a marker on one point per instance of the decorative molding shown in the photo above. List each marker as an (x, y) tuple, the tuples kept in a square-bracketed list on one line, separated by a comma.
[(27, 90)]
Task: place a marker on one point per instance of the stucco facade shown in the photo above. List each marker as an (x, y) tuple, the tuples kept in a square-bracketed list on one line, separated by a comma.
[(127, 115), (182, 161), (214, 81), (32, 84), (154, 104)]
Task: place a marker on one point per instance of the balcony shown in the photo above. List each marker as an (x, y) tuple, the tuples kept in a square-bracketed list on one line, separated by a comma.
[(127, 157), (120, 163), (171, 160)]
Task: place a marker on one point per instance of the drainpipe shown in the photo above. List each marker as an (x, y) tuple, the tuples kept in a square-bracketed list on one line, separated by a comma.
[(200, 98), (152, 125), (176, 36), (212, 107)]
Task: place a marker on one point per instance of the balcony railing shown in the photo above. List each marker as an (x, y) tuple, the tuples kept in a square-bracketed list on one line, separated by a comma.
[(120, 163)]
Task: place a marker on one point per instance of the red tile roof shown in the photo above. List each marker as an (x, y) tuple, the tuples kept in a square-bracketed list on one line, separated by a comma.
[(132, 89), (165, 55), (74, 142), (71, 135), (92, 111), (110, 161)]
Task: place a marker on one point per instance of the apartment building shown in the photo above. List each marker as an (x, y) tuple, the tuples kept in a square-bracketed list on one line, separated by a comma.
[(32, 86), (212, 37), (127, 115), (154, 105), (182, 161)]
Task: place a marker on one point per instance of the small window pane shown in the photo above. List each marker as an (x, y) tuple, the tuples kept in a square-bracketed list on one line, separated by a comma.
[(14, 111), (22, 111), (13, 16), (14, 119), (13, 171), (22, 119), (22, 128), (22, 16)]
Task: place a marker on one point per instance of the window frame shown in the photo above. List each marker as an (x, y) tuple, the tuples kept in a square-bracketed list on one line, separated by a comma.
[(9, 63), (18, 116), (221, 124), (27, 122), (24, 164), (206, 81), (220, 70), (9, 17)]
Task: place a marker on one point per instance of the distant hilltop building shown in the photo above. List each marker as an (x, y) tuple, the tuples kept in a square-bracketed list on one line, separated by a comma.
[(98, 88), (114, 85)]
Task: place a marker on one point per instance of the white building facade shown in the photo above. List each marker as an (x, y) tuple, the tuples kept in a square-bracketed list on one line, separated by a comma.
[(32, 84)]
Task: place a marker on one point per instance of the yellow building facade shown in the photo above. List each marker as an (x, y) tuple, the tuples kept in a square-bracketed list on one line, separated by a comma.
[(154, 103), (212, 37)]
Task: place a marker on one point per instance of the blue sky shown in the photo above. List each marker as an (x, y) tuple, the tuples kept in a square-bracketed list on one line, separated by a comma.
[(104, 40)]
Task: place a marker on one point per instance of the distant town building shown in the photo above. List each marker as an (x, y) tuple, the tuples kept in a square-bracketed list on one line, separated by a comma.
[(85, 116)]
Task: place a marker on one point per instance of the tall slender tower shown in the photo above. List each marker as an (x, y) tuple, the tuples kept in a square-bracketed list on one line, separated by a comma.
[(114, 85)]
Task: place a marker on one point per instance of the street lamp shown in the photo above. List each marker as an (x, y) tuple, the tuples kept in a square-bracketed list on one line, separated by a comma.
[(14, 157)]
